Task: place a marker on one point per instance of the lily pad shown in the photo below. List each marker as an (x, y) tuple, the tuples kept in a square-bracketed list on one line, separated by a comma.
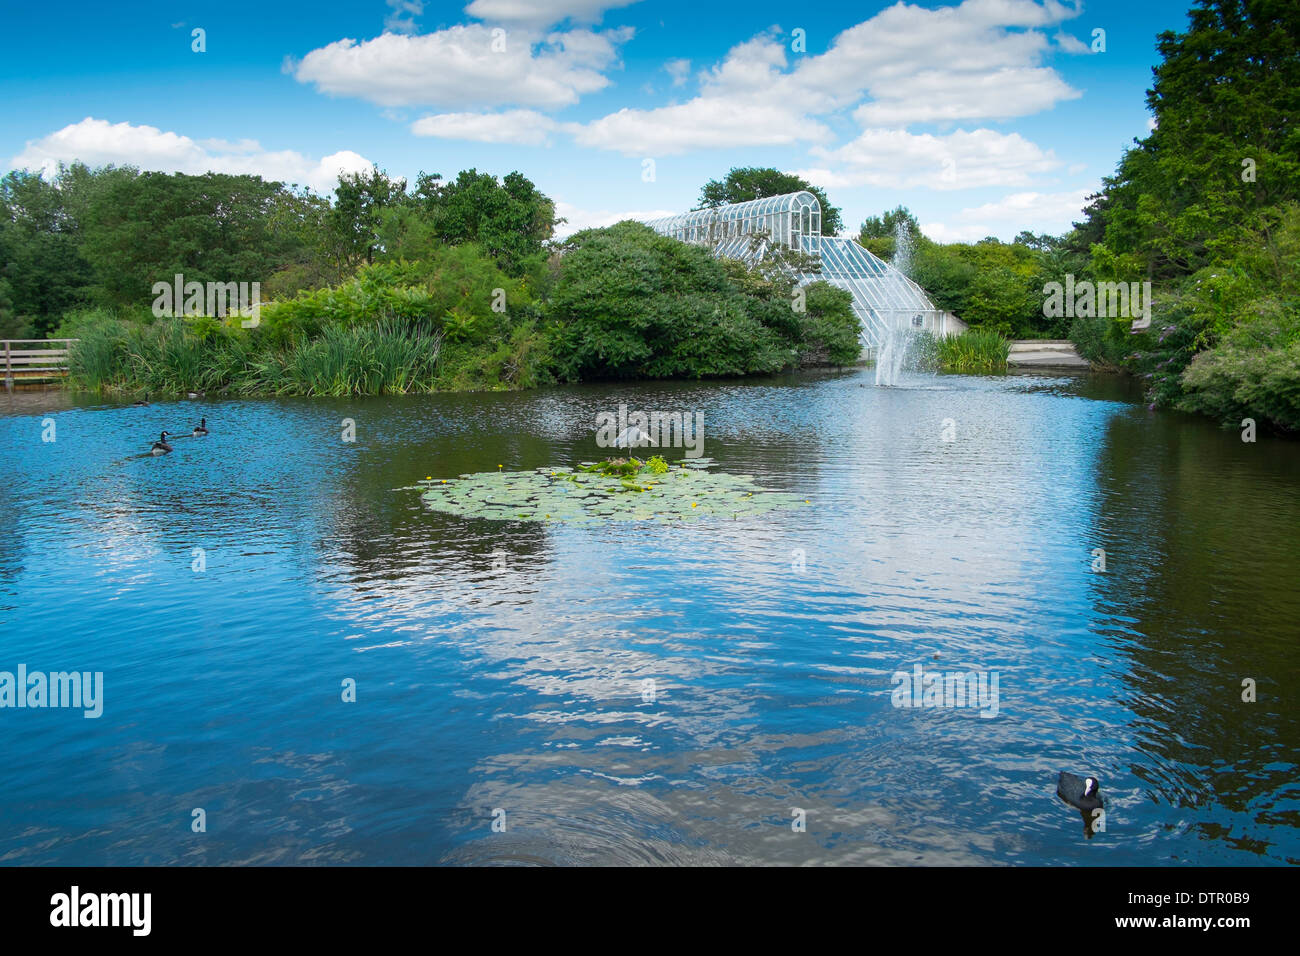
[(574, 496)]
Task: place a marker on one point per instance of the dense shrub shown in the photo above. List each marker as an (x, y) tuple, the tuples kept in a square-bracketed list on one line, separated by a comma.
[(1253, 372), (455, 321), (629, 303)]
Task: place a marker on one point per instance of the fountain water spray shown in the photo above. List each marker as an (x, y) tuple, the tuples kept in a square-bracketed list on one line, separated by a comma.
[(899, 340)]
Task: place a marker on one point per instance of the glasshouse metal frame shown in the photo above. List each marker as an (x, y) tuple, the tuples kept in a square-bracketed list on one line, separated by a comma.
[(884, 299), (793, 220)]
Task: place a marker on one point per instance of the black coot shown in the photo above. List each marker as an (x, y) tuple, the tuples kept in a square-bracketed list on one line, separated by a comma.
[(1079, 792)]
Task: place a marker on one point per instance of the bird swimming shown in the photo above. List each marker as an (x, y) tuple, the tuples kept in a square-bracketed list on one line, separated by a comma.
[(140, 404), (160, 447), (1080, 793), (201, 428)]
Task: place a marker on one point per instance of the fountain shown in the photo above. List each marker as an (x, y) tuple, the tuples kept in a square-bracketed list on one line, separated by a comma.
[(902, 260), (899, 340), (893, 354)]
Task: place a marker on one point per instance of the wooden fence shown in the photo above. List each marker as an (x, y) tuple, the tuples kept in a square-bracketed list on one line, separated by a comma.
[(35, 359)]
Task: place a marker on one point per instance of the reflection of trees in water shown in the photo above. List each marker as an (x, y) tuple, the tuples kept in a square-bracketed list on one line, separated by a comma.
[(381, 532), (1199, 593), (13, 543)]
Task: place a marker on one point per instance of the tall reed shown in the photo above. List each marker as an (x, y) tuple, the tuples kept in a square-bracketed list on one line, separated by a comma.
[(383, 358), (974, 350)]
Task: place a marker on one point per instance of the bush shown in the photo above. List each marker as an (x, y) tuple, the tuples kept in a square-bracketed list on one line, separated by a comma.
[(1232, 383), (1100, 340), (381, 332), (459, 291), (831, 330), (1254, 372), (630, 303)]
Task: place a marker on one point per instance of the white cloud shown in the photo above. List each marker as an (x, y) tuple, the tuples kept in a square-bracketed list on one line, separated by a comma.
[(905, 65), (401, 19), (97, 142), (1051, 213), (959, 160), (978, 60), (465, 66), (747, 100), (700, 124), (543, 12), (679, 70), (579, 219), (523, 127), (943, 96), (1070, 43)]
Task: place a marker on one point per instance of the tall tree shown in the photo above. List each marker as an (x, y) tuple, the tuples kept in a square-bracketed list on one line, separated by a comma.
[(41, 265), (509, 217), (1226, 145), (145, 228), (354, 223), (752, 182)]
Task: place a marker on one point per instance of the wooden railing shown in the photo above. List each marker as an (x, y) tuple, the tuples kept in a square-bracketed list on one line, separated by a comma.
[(30, 359)]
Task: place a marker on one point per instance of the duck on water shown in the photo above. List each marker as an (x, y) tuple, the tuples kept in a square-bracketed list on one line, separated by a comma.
[(1084, 795), (1080, 793)]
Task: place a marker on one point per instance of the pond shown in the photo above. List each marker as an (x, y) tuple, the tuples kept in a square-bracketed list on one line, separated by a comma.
[(305, 662)]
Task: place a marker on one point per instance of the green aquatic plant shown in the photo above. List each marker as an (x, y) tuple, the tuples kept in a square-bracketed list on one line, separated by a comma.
[(587, 494), (973, 351), (613, 467)]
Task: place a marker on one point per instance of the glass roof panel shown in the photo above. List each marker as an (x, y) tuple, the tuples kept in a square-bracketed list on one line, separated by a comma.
[(883, 297)]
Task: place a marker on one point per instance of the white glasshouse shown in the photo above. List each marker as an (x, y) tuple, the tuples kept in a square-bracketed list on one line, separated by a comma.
[(883, 297)]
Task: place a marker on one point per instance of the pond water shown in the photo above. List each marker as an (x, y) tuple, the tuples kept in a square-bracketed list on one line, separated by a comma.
[(502, 668)]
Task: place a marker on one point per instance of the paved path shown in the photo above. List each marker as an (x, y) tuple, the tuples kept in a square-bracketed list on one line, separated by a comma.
[(1045, 353)]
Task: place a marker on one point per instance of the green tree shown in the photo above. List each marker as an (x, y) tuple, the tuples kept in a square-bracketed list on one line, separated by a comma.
[(884, 227), (145, 228), (40, 260), (354, 221), (630, 303), (1226, 146), (510, 217), (750, 182)]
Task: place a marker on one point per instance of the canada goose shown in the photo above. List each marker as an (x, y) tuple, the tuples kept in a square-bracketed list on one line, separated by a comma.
[(140, 404), (195, 394), (201, 428), (1081, 793), (160, 447)]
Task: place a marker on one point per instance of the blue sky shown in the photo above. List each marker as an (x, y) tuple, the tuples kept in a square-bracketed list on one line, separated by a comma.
[(983, 117)]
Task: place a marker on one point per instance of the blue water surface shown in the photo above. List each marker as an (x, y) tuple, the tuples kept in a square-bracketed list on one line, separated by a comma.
[(501, 668)]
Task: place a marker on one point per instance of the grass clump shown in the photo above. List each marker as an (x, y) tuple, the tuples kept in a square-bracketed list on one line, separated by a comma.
[(975, 350)]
